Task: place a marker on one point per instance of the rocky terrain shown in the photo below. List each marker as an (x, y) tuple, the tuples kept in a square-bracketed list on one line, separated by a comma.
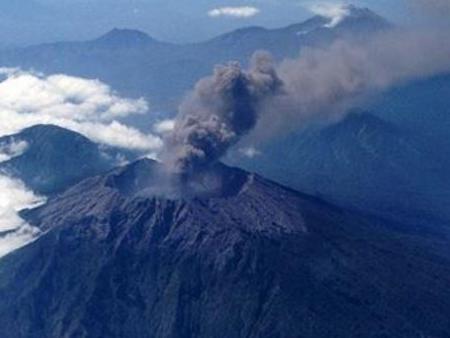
[(225, 253)]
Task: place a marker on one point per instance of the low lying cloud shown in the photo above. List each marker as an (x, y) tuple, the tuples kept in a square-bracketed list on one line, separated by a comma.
[(12, 149), (89, 107), (14, 231), (65, 97), (234, 12), (164, 126)]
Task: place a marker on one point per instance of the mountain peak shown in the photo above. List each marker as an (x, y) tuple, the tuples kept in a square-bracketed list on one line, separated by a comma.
[(361, 12), (340, 15), (147, 178), (360, 15), (56, 158), (125, 38), (50, 130), (145, 266)]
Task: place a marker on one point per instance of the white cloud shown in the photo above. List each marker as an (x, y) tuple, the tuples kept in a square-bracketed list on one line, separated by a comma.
[(333, 11), (14, 196), (89, 107), (234, 12), (164, 126), (65, 96), (17, 239), (250, 152), (12, 149)]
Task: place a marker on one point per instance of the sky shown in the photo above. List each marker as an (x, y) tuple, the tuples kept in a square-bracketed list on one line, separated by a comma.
[(25, 22)]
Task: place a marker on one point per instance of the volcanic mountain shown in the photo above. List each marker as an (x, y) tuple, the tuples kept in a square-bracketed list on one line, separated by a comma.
[(54, 158), (225, 253)]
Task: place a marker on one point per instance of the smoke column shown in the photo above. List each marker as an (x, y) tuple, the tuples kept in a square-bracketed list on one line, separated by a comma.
[(321, 85), (221, 109)]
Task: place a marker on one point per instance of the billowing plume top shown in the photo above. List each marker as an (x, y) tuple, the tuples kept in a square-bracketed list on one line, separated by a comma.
[(221, 109)]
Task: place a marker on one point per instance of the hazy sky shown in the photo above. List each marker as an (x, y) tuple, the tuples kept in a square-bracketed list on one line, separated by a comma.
[(33, 21)]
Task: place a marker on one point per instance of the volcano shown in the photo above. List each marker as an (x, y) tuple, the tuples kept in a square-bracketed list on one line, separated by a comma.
[(230, 254), (55, 158)]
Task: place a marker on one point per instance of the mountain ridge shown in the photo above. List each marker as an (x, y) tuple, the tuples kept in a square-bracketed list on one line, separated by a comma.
[(55, 158), (135, 64), (349, 161), (140, 36)]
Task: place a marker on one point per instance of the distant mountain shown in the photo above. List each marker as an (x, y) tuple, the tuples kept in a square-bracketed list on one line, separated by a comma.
[(125, 38), (362, 162), (54, 158), (137, 65), (287, 41), (248, 259)]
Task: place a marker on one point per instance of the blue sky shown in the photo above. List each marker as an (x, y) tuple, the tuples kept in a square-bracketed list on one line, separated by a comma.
[(33, 21)]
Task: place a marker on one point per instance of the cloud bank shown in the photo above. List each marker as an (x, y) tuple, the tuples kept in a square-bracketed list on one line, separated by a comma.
[(234, 12), (89, 107), (14, 231)]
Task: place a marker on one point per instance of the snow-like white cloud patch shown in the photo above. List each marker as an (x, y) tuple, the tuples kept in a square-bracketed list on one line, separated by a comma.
[(14, 231), (12, 149), (335, 12), (234, 12), (249, 152), (164, 126), (89, 107)]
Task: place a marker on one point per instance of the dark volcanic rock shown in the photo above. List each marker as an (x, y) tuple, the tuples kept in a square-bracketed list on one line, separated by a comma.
[(251, 259)]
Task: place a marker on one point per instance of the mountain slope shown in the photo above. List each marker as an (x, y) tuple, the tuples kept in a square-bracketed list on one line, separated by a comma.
[(54, 158), (253, 259), (422, 107), (362, 162)]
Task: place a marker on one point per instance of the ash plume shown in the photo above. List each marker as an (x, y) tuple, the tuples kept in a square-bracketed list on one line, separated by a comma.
[(323, 84), (320, 86), (221, 109)]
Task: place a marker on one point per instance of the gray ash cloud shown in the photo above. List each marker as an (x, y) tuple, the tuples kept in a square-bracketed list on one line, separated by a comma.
[(321, 85), (221, 109)]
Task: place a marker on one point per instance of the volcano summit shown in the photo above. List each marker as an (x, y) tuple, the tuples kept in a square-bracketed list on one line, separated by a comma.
[(247, 259)]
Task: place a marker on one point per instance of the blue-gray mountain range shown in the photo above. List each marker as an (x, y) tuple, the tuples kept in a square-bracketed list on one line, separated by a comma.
[(135, 64)]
